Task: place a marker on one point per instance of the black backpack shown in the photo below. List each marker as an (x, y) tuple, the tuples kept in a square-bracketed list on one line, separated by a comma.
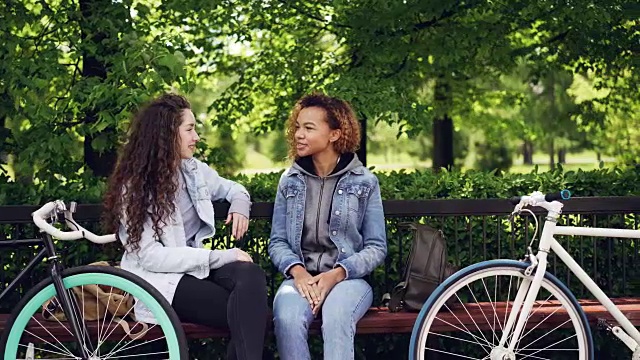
[(425, 269)]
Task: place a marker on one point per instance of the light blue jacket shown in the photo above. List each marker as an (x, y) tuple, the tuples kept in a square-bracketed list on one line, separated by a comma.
[(356, 224), (163, 262)]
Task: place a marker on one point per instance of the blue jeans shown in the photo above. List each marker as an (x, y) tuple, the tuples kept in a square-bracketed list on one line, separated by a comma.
[(345, 305)]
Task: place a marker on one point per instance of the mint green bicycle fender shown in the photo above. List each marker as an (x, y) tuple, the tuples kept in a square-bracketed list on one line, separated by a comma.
[(48, 292)]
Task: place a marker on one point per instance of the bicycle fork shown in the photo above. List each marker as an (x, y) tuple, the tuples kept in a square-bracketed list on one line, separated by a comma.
[(55, 269), (522, 305)]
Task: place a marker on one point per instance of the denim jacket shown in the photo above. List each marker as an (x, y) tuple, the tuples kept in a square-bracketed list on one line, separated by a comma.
[(356, 224), (162, 262)]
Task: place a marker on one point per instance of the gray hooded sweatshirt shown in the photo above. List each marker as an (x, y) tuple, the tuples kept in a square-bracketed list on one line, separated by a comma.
[(320, 253)]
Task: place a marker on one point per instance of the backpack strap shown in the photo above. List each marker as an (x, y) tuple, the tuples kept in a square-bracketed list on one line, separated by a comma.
[(396, 301), (127, 329)]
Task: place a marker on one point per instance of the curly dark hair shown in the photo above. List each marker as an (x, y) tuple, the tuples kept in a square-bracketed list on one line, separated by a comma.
[(340, 115), (144, 182)]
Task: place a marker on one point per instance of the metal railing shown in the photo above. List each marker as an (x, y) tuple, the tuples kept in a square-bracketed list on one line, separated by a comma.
[(476, 230)]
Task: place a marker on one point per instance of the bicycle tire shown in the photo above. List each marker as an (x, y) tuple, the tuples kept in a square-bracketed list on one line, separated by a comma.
[(103, 275), (428, 313)]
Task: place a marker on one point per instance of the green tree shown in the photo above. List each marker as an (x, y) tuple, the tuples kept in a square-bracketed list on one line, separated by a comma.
[(420, 60), (72, 72)]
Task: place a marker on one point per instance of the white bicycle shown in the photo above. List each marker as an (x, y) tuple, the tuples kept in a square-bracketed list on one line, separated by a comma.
[(508, 310)]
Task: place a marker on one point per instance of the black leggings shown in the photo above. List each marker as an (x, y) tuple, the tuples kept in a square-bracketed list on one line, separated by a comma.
[(233, 296)]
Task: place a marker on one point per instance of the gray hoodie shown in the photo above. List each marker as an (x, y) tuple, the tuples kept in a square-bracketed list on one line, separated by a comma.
[(320, 253)]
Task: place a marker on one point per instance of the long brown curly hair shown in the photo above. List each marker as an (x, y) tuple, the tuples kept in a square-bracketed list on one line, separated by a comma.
[(340, 115), (144, 182)]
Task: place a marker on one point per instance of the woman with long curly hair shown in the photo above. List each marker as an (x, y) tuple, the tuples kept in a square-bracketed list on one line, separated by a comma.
[(159, 203), (328, 230)]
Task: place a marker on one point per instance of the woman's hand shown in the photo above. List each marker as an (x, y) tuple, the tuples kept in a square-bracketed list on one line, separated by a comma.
[(240, 255), (301, 280), (240, 224), (324, 282)]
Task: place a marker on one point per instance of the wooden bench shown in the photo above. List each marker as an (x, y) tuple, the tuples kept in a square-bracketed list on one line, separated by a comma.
[(379, 320)]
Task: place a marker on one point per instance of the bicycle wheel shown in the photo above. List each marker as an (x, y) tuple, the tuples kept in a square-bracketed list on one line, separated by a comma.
[(465, 318), (29, 336)]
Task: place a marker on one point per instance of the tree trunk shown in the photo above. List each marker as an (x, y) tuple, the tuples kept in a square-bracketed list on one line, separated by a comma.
[(552, 163), (527, 152), (362, 151), (443, 143), (102, 161), (562, 156), (442, 130), (6, 134)]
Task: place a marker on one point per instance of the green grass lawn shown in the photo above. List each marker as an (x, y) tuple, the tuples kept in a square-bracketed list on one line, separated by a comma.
[(586, 160)]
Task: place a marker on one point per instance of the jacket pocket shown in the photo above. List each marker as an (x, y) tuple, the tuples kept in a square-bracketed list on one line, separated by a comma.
[(356, 196), (203, 193), (290, 194)]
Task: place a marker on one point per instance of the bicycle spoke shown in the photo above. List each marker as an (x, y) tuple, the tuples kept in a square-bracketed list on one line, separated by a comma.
[(493, 306), (460, 339), (472, 335), (50, 351), (127, 356), (456, 316), (82, 325), (557, 342), (126, 347), (506, 313), (48, 343), (471, 317), (493, 331), (116, 326), (100, 339), (457, 355), (495, 296), (50, 334), (52, 316), (542, 321), (97, 350), (545, 334)]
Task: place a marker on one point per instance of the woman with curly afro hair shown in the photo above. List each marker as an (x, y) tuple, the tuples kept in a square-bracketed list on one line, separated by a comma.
[(159, 202), (328, 230)]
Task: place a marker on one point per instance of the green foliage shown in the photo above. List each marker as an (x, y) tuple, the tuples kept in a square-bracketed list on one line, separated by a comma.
[(278, 147), (387, 57), (494, 156), (246, 62)]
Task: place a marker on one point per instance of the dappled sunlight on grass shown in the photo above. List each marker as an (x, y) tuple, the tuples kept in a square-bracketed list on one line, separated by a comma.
[(586, 160)]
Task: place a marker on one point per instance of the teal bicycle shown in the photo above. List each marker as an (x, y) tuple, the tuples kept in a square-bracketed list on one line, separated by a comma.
[(53, 321)]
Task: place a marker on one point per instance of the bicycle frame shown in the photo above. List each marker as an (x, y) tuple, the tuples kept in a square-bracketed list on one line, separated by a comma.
[(55, 269), (529, 288)]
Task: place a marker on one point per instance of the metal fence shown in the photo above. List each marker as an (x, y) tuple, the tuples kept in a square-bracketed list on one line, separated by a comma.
[(476, 230)]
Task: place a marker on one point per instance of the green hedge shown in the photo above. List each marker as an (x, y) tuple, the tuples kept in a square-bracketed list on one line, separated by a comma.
[(422, 184), (470, 238)]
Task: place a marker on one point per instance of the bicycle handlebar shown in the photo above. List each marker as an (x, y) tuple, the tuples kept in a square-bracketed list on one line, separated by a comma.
[(537, 197), (50, 210)]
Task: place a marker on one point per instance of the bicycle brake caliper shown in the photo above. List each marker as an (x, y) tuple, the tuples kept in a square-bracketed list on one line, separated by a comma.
[(534, 262)]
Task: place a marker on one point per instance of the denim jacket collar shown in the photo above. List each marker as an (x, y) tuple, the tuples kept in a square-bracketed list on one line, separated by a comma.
[(189, 165)]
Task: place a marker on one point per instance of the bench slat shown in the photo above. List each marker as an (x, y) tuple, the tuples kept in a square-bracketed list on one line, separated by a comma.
[(380, 320)]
